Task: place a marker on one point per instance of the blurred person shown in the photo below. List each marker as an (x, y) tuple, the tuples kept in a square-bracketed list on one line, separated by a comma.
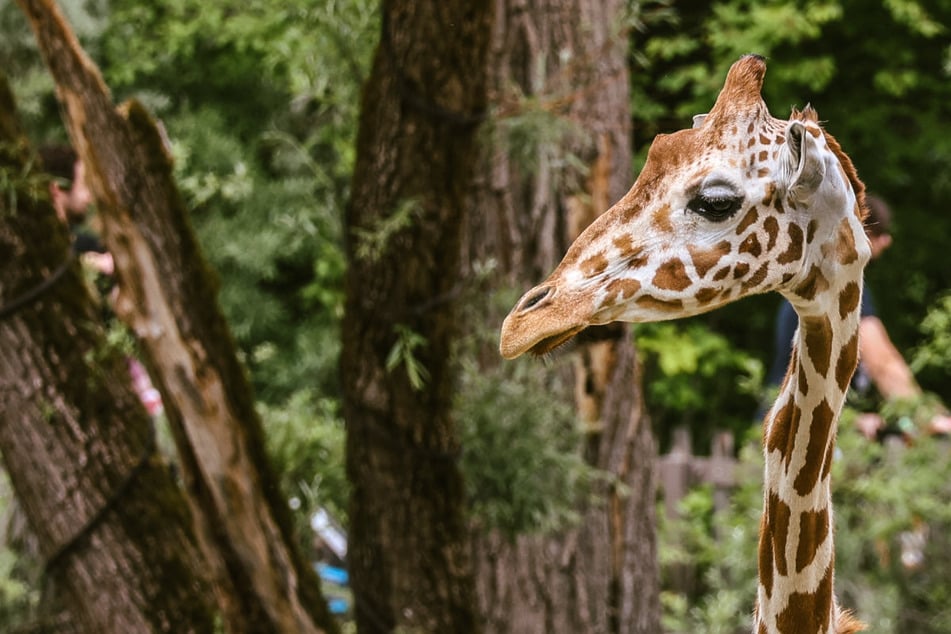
[(881, 365), (72, 199)]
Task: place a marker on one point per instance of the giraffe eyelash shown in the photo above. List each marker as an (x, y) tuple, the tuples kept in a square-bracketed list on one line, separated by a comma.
[(715, 208)]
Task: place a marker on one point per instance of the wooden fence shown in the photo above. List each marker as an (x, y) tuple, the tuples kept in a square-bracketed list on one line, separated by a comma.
[(680, 470)]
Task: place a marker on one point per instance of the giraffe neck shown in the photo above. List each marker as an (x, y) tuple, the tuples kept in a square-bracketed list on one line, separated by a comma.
[(796, 547)]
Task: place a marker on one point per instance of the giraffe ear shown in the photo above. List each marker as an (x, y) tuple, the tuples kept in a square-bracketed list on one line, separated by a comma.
[(802, 160), (698, 120)]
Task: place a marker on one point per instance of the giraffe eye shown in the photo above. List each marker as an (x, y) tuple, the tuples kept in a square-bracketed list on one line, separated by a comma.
[(715, 208)]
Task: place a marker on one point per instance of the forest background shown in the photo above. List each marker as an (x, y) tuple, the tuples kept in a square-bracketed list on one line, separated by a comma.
[(261, 103)]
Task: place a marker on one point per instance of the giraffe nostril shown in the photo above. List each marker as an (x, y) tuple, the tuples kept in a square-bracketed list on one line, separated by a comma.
[(534, 298)]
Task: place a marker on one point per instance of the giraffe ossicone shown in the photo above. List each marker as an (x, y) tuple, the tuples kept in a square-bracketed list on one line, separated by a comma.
[(741, 203)]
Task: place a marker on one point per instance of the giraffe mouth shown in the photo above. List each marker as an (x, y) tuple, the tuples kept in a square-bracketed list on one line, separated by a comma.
[(550, 344)]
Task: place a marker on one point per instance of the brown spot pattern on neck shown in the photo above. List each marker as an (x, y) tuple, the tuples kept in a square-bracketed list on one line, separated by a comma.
[(820, 429)]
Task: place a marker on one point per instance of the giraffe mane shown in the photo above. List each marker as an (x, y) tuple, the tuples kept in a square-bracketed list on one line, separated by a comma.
[(809, 114), (851, 173), (846, 623)]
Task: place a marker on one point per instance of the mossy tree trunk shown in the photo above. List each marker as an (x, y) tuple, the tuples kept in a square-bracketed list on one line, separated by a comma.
[(168, 297), (564, 62), (113, 527), (426, 95)]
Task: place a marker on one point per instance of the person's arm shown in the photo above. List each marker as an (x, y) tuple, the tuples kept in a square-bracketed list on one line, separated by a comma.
[(890, 373), (883, 362)]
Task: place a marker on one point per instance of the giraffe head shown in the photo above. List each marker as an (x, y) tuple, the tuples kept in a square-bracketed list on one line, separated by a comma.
[(741, 203)]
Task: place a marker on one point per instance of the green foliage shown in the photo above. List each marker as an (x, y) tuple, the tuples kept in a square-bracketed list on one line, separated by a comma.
[(277, 253), (118, 343), (19, 182), (305, 438), (884, 500), (535, 133), (914, 16), (261, 104), (912, 415), (403, 354), (372, 242), (934, 353), (720, 548), (694, 376), (686, 58), (15, 595), (521, 461), (31, 82), (893, 553), (522, 442), (18, 595)]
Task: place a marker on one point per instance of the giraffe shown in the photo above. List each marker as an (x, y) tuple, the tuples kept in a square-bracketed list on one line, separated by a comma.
[(741, 203)]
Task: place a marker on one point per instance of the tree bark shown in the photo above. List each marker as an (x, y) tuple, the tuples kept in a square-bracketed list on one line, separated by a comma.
[(168, 298), (567, 58), (409, 557), (113, 527)]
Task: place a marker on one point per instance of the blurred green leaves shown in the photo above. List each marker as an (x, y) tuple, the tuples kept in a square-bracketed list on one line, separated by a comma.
[(521, 461), (305, 437), (403, 354), (891, 511), (695, 376), (934, 353)]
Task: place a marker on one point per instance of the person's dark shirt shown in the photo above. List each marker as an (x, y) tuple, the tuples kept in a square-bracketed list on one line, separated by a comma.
[(86, 242), (786, 323)]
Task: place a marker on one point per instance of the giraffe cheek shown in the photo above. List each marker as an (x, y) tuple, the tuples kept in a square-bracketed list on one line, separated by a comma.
[(614, 305), (755, 281), (671, 277), (794, 249), (707, 294), (617, 292), (609, 314), (705, 260)]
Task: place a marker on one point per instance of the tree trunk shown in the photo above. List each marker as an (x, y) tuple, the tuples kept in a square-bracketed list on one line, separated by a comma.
[(168, 298), (112, 526), (409, 556), (566, 59)]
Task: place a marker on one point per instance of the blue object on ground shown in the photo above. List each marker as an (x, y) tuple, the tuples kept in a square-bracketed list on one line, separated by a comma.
[(338, 606), (332, 574)]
